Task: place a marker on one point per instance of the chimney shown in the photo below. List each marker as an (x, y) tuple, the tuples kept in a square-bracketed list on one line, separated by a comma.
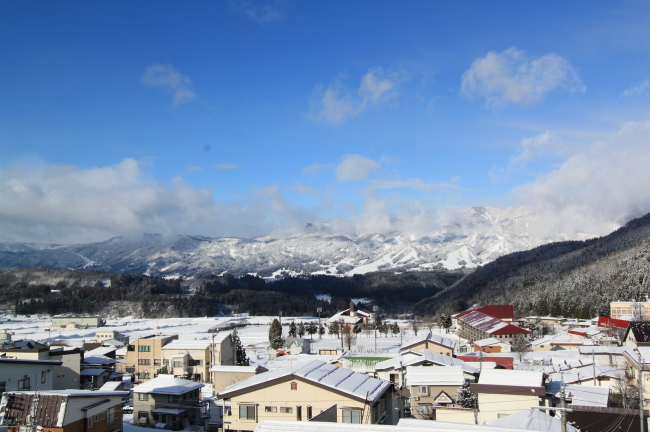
[(352, 311)]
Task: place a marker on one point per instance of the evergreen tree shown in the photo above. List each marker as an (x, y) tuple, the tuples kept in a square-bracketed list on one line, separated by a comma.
[(275, 335), (292, 329), (334, 328), (312, 329), (241, 359), (445, 322), (465, 398), (357, 329), (395, 329), (301, 329)]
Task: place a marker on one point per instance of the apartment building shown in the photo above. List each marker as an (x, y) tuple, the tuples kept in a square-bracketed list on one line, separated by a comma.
[(105, 335), (477, 325), (639, 311), (189, 359), (144, 356)]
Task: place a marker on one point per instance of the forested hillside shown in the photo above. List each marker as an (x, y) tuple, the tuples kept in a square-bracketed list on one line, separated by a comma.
[(568, 278)]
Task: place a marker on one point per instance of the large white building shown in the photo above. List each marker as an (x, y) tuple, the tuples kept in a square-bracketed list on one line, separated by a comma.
[(639, 311)]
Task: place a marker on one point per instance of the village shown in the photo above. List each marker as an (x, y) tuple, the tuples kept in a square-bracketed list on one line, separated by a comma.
[(481, 369)]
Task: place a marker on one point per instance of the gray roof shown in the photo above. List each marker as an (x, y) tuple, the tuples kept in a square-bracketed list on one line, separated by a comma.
[(423, 356), (319, 372), (440, 340)]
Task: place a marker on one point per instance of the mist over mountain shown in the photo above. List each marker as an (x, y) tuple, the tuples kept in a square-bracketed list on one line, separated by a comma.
[(480, 236)]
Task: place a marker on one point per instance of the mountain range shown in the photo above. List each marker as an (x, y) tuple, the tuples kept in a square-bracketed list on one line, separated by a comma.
[(480, 236)]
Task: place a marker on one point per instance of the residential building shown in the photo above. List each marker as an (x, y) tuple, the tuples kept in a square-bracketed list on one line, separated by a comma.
[(637, 334), (604, 355), (144, 356), (491, 345), (167, 400), (434, 343), (352, 316), (92, 379), (638, 311), (503, 392), (63, 410), (502, 312), (433, 387), (225, 376), (81, 321), (224, 349), (393, 370), (476, 325), (580, 395), (26, 374), (631, 357), (65, 375), (189, 359), (304, 391), (296, 345), (103, 335)]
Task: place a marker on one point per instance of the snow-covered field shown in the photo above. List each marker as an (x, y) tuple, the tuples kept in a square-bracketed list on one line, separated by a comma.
[(254, 336)]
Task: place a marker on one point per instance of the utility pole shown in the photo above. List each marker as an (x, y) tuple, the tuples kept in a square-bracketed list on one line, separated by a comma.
[(593, 363), (641, 391), (280, 323), (320, 336), (375, 309), (563, 404)]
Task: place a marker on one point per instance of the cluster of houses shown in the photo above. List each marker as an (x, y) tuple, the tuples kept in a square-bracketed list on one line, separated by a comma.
[(477, 376)]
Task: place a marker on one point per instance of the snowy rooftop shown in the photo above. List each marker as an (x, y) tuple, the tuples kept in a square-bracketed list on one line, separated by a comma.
[(583, 395), (486, 342), (490, 325), (404, 425), (167, 384), (414, 358), (531, 420), (100, 351), (334, 377), (234, 369), (98, 359), (512, 378), (440, 340), (182, 344), (436, 376), (601, 350)]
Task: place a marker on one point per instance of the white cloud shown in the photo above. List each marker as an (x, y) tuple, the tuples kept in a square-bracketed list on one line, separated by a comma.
[(533, 147), (259, 10), (510, 77), (226, 166), (354, 167), (598, 188), (412, 184), (193, 168), (642, 88), (315, 168), (338, 103), (158, 75)]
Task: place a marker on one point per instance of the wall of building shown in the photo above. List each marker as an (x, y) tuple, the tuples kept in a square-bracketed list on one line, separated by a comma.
[(492, 405), (66, 376), (82, 321), (186, 402), (433, 347), (154, 357), (11, 373), (193, 354), (221, 380)]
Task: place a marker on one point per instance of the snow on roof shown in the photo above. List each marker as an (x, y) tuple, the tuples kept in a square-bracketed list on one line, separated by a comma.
[(512, 378), (490, 325), (180, 355), (92, 372), (182, 344), (98, 359), (487, 342), (121, 351), (437, 376), (113, 342), (168, 411), (167, 384), (76, 393), (585, 372), (582, 395), (414, 358), (334, 377), (601, 350), (287, 361), (411, 424), (404, 425), (645, 353), (437, 339), (112, 386), (101, 351), (234, 369), (533, 420)]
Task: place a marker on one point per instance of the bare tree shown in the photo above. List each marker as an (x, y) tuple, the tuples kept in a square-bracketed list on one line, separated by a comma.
[(415, 326), (625, 392), (520, 346), (349, 336)]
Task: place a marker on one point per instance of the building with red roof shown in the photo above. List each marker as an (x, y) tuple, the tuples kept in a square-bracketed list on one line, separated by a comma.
[(476, 325), (502, 312)]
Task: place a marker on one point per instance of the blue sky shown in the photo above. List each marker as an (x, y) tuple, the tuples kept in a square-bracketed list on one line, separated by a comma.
[(238, 118)]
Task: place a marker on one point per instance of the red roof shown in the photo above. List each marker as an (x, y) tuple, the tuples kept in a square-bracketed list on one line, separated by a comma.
[(495, 311), (578, 332), (506, 362), (491, 325), (611, 322)]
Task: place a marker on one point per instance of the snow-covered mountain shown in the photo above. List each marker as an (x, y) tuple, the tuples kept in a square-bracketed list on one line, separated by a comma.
[(481, 235)]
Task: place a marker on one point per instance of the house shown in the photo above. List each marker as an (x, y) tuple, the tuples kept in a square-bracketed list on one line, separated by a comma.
[(225, 376), (92, 379), (491, 345), (62, 410), (637, 334), (503, 392), (431, 342), (476, 325), (144, 356), (78, 321), (632, 360), (352, 316), (296, 345), (65, 375), (167, 400), (189, 359), (224, 349), (104, 335), (583, 374), (433, 387), (393, 370), (304, 391), (26, 374), (477, 359), (581, 395)]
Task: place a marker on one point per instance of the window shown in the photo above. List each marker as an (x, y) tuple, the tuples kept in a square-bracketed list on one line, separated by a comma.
[(166, 362), (299, 413), (294, 385), (172, 399), (90, 422), (43, 377), (423, 390), (247, 412), (309, 412), (143, 397), (3, 387), (270, 409), (286, 409), (103, 415), (112, 418), (196, 363), (144, 362), (352, 416), (96, 417), (24, 384), (144, 348), (156, 362), (178, 364)]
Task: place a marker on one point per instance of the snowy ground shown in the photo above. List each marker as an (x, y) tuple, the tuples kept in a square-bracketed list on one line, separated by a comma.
[(254, 337)]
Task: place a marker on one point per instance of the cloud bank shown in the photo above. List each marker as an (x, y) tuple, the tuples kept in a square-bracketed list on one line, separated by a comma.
[(158, 75), (510, 77)]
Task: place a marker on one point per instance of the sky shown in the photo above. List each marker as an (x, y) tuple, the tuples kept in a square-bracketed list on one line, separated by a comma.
[(242, 118)]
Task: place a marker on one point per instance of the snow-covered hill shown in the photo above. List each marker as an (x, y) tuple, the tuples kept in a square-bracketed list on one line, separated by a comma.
[(481, 235)]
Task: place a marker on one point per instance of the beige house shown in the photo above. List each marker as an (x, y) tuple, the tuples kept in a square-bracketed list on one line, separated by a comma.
[(639, 310), (503, 392), (431, 342), (225, 352), (432, 387), (189, 359), (225, 376), (304, 391), (631, 357), (144, 356), (105, 335)]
